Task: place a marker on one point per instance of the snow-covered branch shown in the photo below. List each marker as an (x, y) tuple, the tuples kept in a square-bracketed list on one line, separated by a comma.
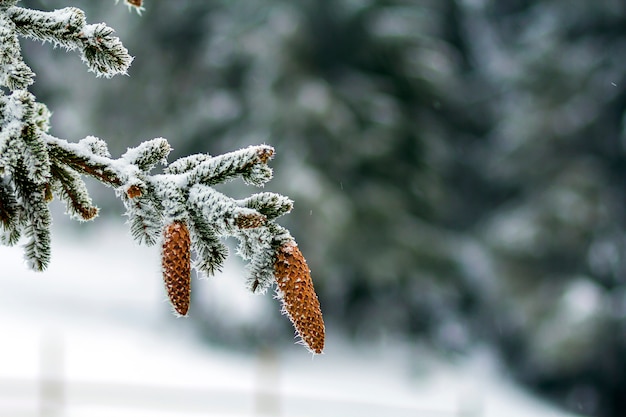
[(103, 53), (178, 207)]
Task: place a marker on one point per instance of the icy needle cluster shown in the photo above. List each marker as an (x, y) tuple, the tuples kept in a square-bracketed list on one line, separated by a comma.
[(178, 208)]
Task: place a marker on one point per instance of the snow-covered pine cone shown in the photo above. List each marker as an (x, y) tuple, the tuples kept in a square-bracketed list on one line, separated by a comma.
[(300, 302), (176, 262)]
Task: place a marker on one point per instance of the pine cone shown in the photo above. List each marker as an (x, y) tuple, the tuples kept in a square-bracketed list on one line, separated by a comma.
[(176, 262), (300, 302)]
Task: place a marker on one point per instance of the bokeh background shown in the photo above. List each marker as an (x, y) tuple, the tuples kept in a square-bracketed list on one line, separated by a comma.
[(458, 166)]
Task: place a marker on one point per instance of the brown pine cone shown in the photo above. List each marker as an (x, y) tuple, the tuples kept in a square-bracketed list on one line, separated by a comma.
[(176, 262), (300, 302)]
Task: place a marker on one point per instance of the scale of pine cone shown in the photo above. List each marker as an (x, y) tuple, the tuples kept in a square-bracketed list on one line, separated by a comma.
[(300, 302), (176, 262)]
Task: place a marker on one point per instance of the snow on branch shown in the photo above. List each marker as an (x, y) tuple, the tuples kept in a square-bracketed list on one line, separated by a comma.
[(14, 73), (103, 53), (178, 208)]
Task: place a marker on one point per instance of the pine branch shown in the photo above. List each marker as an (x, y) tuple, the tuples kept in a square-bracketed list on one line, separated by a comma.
[(103, 53), (257, 247), (211, 253), (148, 154), (9, 213), (14, 73), (186, 163), (70, 187), (37, 219), (249, 163), (271, 205), (146, 222), (179, 207), (83, 160)]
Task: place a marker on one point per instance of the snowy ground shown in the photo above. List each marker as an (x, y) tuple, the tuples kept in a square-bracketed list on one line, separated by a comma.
[(88, 338)]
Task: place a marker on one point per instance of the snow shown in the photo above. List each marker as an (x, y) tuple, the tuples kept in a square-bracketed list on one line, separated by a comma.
[(98, 321)]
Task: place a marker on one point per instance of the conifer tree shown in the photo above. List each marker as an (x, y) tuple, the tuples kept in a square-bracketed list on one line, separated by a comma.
[(178, 208)]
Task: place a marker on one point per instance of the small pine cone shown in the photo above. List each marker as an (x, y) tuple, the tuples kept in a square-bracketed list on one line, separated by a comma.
[(176, 262), (300, 302)]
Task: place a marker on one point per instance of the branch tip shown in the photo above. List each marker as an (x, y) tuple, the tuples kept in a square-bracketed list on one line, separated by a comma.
[(133, 192), (265, 153)]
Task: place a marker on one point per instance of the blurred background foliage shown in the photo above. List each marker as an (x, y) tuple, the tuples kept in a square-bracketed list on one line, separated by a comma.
[(458, 166)]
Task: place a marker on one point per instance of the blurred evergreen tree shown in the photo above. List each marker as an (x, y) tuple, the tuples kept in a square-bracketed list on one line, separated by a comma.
[(557, 149)]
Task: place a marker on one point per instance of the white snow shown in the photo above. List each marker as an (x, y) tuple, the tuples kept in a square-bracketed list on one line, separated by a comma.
[(97, 320)]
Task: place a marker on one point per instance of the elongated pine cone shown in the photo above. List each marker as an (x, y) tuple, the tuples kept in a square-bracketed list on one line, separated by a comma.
[(176, 262), (300, 302)]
